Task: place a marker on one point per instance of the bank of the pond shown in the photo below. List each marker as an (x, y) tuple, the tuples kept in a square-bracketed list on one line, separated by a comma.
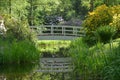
[(100, 62), (54, 48)]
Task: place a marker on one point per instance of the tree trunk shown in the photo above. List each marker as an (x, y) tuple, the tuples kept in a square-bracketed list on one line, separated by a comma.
[(91, 5), (10, 10)]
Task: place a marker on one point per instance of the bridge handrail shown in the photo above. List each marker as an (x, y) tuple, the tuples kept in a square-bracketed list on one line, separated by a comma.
[(59, 30)]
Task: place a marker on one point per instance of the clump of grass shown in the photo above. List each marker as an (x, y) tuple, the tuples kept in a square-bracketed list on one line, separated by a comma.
[(111, 71), (79, 52), (18, 52)]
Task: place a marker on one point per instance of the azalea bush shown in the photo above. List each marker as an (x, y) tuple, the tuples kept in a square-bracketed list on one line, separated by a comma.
[(102, 15)]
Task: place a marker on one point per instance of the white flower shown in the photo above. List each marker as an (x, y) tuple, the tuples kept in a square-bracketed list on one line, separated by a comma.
[(2, 26)]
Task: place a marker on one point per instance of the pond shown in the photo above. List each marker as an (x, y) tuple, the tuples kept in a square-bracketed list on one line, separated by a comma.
[(30, 72)]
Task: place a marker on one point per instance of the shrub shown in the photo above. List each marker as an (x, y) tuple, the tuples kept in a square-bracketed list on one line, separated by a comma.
[(105, 33), (116, 23), (102, 15), (115, 10), (17, 29)]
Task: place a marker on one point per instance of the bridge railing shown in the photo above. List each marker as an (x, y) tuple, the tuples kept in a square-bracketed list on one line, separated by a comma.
[(59, 30)]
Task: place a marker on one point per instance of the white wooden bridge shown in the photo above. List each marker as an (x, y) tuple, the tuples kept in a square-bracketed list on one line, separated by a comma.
[(58, 32), (55, 65)]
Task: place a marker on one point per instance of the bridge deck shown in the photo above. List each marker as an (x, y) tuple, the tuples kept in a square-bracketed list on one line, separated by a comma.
[(56, 37)]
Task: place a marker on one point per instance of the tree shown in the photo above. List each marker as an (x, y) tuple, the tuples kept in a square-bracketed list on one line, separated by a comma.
[(19, 9), (77, 6), (111, 2)]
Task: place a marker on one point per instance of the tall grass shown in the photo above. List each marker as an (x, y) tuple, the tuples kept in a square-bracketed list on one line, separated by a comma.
[(111, 71), (100, 62), (18, 52), (79, 51)]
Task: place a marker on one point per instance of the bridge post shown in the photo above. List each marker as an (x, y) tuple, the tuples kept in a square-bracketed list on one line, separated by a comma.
[(52, 27), (75, 31), (63, 30)]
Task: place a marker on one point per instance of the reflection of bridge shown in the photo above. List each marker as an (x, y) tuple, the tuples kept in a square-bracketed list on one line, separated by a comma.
[(58, 32), (55, 65)]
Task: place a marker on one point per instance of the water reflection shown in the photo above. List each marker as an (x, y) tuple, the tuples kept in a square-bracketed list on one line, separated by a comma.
[(16, 72), (28, 72)]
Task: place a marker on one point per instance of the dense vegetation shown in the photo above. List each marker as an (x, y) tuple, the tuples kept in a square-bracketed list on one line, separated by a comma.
[(102, 16), (96, 56), (48, 11), (17, 45), (99, 61)]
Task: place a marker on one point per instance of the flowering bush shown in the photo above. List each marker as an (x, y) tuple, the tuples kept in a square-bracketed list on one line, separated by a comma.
[(102, 15), (116, 21)]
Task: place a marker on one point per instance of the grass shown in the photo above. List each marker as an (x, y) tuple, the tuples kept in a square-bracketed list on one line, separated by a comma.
[(99, 61), (18, 52)]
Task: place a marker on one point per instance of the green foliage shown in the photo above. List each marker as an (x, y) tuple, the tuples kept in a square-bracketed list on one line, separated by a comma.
[(14, 8), (79, 52), (112, 69), (100, 61), (56, 48), (19, 11), (18, 30), (101, 16), (111, 2), (18, 44), (90, 39), (105, 33), (116, 23), (15, 52)]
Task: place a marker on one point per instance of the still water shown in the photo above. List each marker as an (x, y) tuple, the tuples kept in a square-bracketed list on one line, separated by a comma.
[(29, 72)]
